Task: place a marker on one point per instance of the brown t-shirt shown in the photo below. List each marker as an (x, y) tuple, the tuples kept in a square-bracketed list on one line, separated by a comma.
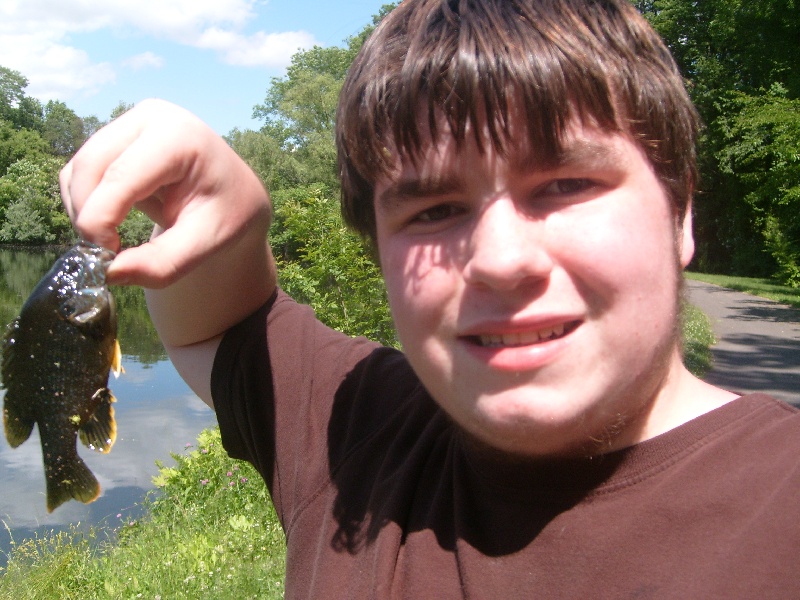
[(381, 496)]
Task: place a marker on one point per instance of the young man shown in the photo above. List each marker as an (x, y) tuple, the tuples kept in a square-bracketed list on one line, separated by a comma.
[(524, 169)]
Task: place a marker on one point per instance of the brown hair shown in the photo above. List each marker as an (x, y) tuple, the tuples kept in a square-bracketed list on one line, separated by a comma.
[(597, 61)]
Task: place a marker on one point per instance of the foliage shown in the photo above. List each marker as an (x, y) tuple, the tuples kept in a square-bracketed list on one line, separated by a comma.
[(91, 125), (120, 109), (762, 155), (32, 134), (733, 49), (265, 156), (299, 115), (323, 264), (16, 144), (63, 129), (210, 533), (12, 93), (730, 44), (299, 112), (58, 565), (135, 229), (31, 203)]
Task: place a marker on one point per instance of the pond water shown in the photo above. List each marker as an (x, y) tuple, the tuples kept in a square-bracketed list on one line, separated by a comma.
[(156, 412)]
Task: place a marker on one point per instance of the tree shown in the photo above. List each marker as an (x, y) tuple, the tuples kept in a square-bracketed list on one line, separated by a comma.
[(12, 91), (762, 156), (321, 262), (299, 113), (29, 115), (120, 109), (300, 109), (63, 129), (264, 155), (16, 144), (91, 125), (33, 211), (731, 44), (726, 48), (21, 111)]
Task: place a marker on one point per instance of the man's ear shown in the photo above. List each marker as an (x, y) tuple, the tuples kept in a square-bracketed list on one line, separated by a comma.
[(685, 236)]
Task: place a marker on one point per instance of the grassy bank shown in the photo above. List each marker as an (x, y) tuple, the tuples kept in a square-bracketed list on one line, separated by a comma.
[(766, 288), (211, 532)]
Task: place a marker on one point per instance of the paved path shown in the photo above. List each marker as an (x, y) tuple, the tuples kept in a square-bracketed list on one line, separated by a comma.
[(758, 346)]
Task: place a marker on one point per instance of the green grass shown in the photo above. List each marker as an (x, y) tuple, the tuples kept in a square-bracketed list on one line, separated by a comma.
[(210, 533), (698, 337), (766, 288)]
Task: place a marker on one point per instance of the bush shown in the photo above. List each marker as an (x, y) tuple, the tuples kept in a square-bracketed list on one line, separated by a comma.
[(325, 265), (29, 192)]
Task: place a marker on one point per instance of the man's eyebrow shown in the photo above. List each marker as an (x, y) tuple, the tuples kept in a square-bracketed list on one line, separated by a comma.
[(410, 188), (576, 152)]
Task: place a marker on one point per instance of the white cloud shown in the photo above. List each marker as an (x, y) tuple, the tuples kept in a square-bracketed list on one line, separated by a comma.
[(35, 38), (258, 49), (55, 70), (145, 60)]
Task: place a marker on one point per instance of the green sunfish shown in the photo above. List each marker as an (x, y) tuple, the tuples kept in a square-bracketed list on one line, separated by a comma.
[(56, 359)]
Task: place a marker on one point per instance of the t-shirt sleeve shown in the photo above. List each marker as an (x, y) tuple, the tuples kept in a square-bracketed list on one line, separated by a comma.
[(274, 381)]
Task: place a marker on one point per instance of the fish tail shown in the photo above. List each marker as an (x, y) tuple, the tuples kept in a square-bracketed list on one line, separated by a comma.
[(67, 478)]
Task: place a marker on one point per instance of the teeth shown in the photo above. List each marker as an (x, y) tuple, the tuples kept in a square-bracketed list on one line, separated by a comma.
[(522, 339)]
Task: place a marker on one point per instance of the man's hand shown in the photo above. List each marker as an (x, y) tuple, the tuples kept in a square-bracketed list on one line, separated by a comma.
[(163, 160)]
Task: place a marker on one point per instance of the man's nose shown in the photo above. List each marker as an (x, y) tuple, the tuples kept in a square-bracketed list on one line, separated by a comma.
[(507, 248)]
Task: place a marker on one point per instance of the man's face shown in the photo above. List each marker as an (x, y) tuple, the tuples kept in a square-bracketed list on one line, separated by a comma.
[(537, 303)]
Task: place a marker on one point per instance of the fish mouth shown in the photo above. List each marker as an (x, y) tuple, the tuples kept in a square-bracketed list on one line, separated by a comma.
[(524, 338), (96, 253), (96, 260)]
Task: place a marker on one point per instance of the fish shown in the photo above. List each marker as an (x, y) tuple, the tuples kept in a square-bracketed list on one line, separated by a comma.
[(57, 356)]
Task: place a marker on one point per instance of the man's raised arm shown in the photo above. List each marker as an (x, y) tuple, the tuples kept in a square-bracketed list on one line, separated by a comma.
[(208, 264)]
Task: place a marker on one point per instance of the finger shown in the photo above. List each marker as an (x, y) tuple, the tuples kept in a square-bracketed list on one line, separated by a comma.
[(85, 170), (116, 168), (163, 260), (64, 178), (135, 176)]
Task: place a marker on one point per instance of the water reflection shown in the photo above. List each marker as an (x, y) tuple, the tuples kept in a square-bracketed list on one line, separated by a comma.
[(156, 414)]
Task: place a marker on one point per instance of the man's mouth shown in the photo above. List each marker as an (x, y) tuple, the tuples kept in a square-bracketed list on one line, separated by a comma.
[(525, 338)]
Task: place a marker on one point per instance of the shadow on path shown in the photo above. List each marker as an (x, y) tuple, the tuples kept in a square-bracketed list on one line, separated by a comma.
[(758, 348)]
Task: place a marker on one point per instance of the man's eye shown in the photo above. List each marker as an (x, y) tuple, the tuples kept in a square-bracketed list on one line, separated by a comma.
[(439, 212), (568, 186)]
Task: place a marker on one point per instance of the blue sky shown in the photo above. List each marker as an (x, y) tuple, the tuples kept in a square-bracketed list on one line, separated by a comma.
[(214, 57)]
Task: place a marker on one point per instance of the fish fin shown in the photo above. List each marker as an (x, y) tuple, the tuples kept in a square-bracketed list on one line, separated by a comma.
[(99, 432), (116, 360), (8, 345), (17, 418), (18, 429), (71, 479)]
